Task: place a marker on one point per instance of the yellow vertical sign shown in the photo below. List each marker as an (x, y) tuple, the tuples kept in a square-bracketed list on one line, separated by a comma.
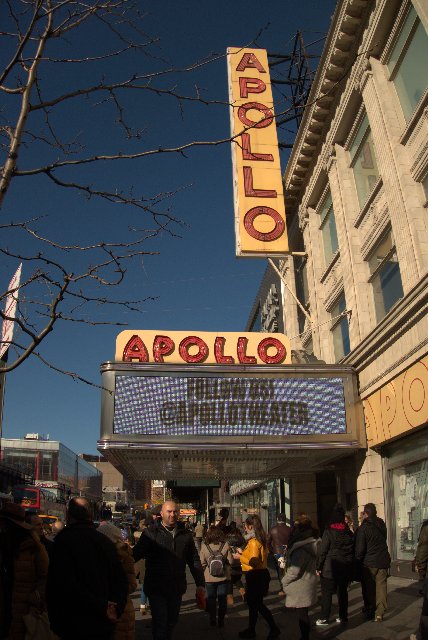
[(260, 223)]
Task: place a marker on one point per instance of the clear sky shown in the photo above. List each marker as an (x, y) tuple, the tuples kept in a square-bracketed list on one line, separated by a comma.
[(196, 282)]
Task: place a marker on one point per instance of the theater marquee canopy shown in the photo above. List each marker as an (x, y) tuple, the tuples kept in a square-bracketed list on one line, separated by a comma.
[(227, 421)]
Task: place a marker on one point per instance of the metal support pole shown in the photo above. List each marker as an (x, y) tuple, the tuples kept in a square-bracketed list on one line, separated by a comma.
[(275, 268)]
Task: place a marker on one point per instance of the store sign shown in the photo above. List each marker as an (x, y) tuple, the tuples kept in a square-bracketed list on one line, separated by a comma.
[(228, 406), (188, 347), (399, 406), (260, 223)]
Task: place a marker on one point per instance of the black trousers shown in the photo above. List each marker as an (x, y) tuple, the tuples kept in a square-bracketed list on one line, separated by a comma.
[(329, 586), (165, 610), (256, 587), (302, 617)]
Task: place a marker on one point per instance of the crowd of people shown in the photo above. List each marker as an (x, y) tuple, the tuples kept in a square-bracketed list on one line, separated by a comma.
[(77, 581)]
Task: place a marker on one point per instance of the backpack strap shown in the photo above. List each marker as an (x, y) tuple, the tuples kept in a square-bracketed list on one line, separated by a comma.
[(221, 547), (210, 551)]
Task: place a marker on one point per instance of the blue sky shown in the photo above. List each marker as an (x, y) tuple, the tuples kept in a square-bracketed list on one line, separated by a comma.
[(196, 281)]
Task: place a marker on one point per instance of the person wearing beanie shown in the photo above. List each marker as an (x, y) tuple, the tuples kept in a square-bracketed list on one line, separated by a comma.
[(334, 566)]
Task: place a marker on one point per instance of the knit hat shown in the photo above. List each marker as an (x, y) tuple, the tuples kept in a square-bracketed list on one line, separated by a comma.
[(16, 514)]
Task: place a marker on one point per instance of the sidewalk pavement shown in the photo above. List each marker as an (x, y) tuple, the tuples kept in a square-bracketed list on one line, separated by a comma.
[(401, 618)]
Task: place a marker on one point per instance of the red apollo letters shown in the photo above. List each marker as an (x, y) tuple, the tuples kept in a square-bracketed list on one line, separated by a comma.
[(164, 346)]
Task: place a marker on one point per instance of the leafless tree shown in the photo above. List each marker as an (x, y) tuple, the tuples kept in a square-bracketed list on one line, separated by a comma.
[(65, 72)]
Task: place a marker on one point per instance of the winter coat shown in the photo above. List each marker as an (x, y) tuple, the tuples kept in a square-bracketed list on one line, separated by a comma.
[(421, 557), (370, 546), (278, 537), (125, 626), (336, 554), (28, 581), (254, 556), (300, 581), (85, 574), (166, 558), (204, 556)]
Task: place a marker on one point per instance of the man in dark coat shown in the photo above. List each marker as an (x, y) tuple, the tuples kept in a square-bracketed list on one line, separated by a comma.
[(277, 543), (372, 551), (87, 587), (167, 547), (334, 566)]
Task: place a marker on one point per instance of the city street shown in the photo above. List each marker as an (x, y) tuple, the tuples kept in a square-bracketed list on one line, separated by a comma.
[(401, 619)]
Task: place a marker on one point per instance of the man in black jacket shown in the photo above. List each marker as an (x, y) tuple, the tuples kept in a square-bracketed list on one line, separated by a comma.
[(87, 587), (167, 547), (372, 551)]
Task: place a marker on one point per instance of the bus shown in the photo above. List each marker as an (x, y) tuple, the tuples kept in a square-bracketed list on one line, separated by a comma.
[(39, 500)]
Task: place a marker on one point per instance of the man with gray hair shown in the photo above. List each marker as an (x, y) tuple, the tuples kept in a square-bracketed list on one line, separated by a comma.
[(167, 547)]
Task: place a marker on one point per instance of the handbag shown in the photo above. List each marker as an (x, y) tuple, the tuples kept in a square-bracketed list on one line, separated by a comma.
[(37, 626)]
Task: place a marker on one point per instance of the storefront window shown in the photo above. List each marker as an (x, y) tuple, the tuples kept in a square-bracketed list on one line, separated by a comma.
[(410, 487)]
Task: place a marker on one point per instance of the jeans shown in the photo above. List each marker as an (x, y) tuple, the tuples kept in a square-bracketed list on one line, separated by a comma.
[(164, 610), (328, 587), (143, 595), (217, 592), (375, 589)]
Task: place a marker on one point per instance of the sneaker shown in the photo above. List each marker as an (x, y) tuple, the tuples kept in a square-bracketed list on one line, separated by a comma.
[(143, 609), (342, 620), (247, 633), (321, 623), (378, 619)]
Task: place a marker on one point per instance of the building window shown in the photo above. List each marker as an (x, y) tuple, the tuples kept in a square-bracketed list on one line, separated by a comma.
[(302, 290), (408, 72), (363, 161), (340, 329), (328, 229), (385, 275)]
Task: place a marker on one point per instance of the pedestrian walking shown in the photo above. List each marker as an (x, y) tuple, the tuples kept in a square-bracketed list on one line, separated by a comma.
[(371, 551), (199, 534), (334, 566), (300, 581), (254, 567), (24, 570), (215, 558), (167, 547), (87, 587), (421, 557), (124, 628), (235, 540), (277, 543)]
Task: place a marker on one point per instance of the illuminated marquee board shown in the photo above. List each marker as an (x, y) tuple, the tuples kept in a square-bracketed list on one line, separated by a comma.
[(260, 224), (167, 405)]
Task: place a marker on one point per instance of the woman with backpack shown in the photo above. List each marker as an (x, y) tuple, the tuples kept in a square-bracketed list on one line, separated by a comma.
[(254, 567), (215, 558)]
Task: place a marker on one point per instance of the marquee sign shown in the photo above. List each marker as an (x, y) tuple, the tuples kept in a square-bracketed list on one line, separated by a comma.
[(260, 223), (191, 347)]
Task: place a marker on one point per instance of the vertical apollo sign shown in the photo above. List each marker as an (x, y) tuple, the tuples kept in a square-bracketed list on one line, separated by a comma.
[(260, 224)]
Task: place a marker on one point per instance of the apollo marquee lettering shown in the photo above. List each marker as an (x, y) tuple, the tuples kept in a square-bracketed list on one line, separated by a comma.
[(259, 200), (203, 348)]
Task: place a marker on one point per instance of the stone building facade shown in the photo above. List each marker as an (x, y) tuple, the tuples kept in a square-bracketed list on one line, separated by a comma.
[(356, 188)]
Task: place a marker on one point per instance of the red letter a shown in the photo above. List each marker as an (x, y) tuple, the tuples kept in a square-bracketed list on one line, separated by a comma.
[(249, 61), (135, 349)]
